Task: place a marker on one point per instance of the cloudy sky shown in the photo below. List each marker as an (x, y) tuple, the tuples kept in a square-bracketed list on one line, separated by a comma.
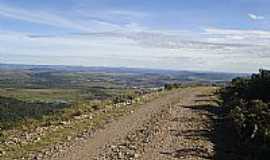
[(201, 35)]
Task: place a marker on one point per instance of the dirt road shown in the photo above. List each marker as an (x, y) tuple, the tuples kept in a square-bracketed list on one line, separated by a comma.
[(175, 126)]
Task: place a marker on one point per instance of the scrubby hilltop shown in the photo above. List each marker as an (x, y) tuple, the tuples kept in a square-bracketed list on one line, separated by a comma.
[(246, 102)]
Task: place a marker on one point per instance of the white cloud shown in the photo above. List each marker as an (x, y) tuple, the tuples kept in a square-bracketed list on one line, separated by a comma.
[(90, 22), (121, 19), (214, 49), (39, 17), (255, 17), (247, 37), (116, 38), (80, 19), (126, 13)]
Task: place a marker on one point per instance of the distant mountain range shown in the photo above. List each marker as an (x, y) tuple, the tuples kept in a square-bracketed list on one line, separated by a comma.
[(172, 74)]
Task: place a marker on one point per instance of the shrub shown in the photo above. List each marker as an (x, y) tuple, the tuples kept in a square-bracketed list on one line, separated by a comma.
[(246, 102), (172, 86)]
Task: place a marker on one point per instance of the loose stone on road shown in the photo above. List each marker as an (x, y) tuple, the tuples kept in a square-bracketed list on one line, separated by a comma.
[(178, 125)]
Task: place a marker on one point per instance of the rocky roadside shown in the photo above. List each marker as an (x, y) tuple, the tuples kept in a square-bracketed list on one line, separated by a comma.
[(178, 125), (68, 131), (132, 147), (130, 132), (181, 131)]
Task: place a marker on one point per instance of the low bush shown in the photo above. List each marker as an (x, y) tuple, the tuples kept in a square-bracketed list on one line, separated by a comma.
[(172, 86), (14, 111), (246, 102)]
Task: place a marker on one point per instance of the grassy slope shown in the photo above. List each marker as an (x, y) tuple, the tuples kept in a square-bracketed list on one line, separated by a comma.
[(56, 132)]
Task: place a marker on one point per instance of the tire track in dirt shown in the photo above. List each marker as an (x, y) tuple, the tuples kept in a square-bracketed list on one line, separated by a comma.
[(187, 133), (119, 129), (161, 129)]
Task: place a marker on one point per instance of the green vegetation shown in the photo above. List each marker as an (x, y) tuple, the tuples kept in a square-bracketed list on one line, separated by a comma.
[(247, 103), (43, 105), (48, 95), (13, 111), (172, 86), (48, 124)]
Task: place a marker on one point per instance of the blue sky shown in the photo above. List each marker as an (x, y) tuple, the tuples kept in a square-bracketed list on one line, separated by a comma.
[(203, 35)]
